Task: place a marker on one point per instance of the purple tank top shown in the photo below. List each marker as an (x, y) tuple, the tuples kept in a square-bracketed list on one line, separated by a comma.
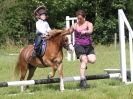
[(82, 39)]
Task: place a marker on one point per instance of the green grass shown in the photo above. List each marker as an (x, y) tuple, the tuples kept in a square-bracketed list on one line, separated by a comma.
[(107, 57)]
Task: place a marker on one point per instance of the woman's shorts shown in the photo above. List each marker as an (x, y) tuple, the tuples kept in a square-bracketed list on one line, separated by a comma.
[(83, 49)]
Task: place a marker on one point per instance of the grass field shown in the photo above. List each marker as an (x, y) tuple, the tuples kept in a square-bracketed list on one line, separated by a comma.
[(107, 57)]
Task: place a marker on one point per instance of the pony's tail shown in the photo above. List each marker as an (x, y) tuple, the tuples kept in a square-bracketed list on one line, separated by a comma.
[(17, 67)]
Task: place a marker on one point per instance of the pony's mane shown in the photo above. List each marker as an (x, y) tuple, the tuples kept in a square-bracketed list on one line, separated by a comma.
[(55, 32)]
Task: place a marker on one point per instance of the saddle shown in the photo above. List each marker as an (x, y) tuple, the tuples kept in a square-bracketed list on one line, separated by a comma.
[(40, 51)]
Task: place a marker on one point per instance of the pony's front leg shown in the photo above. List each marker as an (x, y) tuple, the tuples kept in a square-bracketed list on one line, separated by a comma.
[(52, 74), (60, 71)]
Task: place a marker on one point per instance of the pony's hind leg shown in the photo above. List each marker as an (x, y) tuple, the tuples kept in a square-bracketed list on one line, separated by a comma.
[(23, 71), (31, 71)]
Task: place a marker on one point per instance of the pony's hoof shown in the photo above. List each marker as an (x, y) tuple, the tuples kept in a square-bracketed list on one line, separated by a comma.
[(49, 78), (62, 90)]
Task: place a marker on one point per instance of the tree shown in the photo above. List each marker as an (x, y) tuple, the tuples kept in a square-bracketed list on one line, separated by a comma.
[(17, 22), (130, 11)]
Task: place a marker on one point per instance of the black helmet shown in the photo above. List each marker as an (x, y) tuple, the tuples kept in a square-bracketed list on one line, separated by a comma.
[(40, 10)]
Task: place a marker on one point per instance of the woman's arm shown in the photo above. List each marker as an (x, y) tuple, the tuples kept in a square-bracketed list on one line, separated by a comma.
[(89, 28), (71, 29)]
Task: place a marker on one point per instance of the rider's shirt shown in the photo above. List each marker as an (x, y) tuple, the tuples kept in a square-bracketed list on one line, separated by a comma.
[(42, 26)]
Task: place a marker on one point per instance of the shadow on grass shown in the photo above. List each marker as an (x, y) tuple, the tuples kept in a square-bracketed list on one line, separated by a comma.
[(56, 87)]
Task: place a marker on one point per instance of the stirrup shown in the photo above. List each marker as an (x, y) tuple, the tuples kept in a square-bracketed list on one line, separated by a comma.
[(34, 53)]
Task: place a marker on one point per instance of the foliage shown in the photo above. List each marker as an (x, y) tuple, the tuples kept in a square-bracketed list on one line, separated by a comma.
[(17, 22), (130, 11)]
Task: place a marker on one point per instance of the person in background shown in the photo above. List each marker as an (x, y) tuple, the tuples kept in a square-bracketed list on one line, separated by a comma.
[(42, 27), (83, 44)]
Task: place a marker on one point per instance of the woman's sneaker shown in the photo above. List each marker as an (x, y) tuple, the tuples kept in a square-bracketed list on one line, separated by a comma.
[(83, 83)]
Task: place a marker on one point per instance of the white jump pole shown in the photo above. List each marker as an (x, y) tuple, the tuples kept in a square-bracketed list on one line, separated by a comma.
[(122, 47), (122, 20), (69, 37), (130, 42), (131, 56), (73, 41), (70, 21), (57, 80)]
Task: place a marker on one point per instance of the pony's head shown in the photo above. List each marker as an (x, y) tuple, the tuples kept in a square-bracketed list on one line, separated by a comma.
[(57, 35)]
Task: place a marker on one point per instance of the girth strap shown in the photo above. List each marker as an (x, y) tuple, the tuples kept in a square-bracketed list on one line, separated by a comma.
[(41, 60)]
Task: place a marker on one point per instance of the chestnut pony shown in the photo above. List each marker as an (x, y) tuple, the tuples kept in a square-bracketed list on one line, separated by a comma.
[(52, 58)]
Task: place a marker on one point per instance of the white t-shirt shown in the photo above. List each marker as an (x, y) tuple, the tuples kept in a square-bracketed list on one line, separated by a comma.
[(42, 27)]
